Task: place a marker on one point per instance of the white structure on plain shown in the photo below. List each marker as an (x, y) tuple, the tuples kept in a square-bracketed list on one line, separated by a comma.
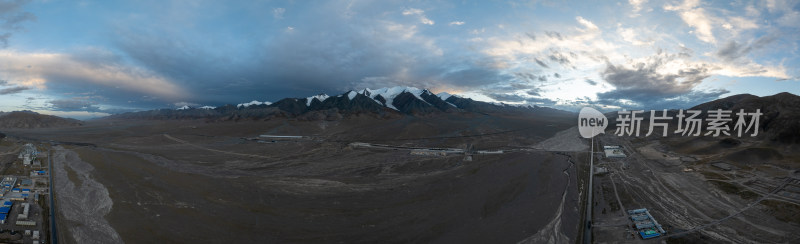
[(614, 152), (281, 137), (26, 223), (25, 209), (28, 154)]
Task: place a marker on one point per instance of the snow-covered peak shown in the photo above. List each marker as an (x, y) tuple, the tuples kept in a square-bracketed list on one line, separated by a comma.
[(351, 94), (254, 102), (320, 97), (187, 107), (444, 95), (389, 93)]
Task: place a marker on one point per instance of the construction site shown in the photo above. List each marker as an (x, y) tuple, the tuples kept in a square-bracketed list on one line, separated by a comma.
[(659, 190)]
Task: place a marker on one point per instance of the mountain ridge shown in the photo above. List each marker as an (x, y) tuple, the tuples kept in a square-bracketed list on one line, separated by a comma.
[(780, 119), (31, 120), (382, 103)]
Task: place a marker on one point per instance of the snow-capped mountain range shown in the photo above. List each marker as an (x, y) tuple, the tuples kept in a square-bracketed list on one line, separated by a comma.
[(382, 102), (384, 97), (409, 100), (254, 102)]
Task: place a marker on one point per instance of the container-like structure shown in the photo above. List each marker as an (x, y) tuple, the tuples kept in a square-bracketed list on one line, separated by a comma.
[(646, 225)]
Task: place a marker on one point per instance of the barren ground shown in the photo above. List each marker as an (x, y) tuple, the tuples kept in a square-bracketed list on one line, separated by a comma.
[(191, 181)]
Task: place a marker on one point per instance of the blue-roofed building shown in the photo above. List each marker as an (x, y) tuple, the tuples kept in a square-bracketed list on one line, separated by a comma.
[(646, 225), (8, 203), (5, 210), (647, 234)]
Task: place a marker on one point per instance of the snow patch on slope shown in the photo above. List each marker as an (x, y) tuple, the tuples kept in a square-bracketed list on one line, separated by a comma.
[(254, 102), (444, 96), (187, 107), (390, 93), (320, 97)]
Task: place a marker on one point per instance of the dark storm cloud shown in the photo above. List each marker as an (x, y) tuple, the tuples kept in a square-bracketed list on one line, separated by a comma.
[(534, 97), (514, 98), (591, 82), (475, 76), (645, 78), (540, 101), (331, 54), (681, 101), (733, 50), (507, 93), (73, 105), (541, 63), (502, 97), (12, 90), (536, 92), (642, 85)]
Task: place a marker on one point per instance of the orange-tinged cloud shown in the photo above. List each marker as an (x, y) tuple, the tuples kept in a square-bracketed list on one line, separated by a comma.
[(37, 70)]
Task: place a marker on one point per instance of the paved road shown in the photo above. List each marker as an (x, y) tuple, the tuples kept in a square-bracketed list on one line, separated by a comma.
[(587, 232), (53, 233)]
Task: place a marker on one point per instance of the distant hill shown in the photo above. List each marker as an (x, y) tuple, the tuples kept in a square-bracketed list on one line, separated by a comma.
[(380, 103), (32, 120), (781, 113)]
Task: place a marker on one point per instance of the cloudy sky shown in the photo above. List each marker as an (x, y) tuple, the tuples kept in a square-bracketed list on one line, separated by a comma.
[(86, 59)]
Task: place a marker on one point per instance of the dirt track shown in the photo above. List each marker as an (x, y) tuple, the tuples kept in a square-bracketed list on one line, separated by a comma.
[(686, 202)]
